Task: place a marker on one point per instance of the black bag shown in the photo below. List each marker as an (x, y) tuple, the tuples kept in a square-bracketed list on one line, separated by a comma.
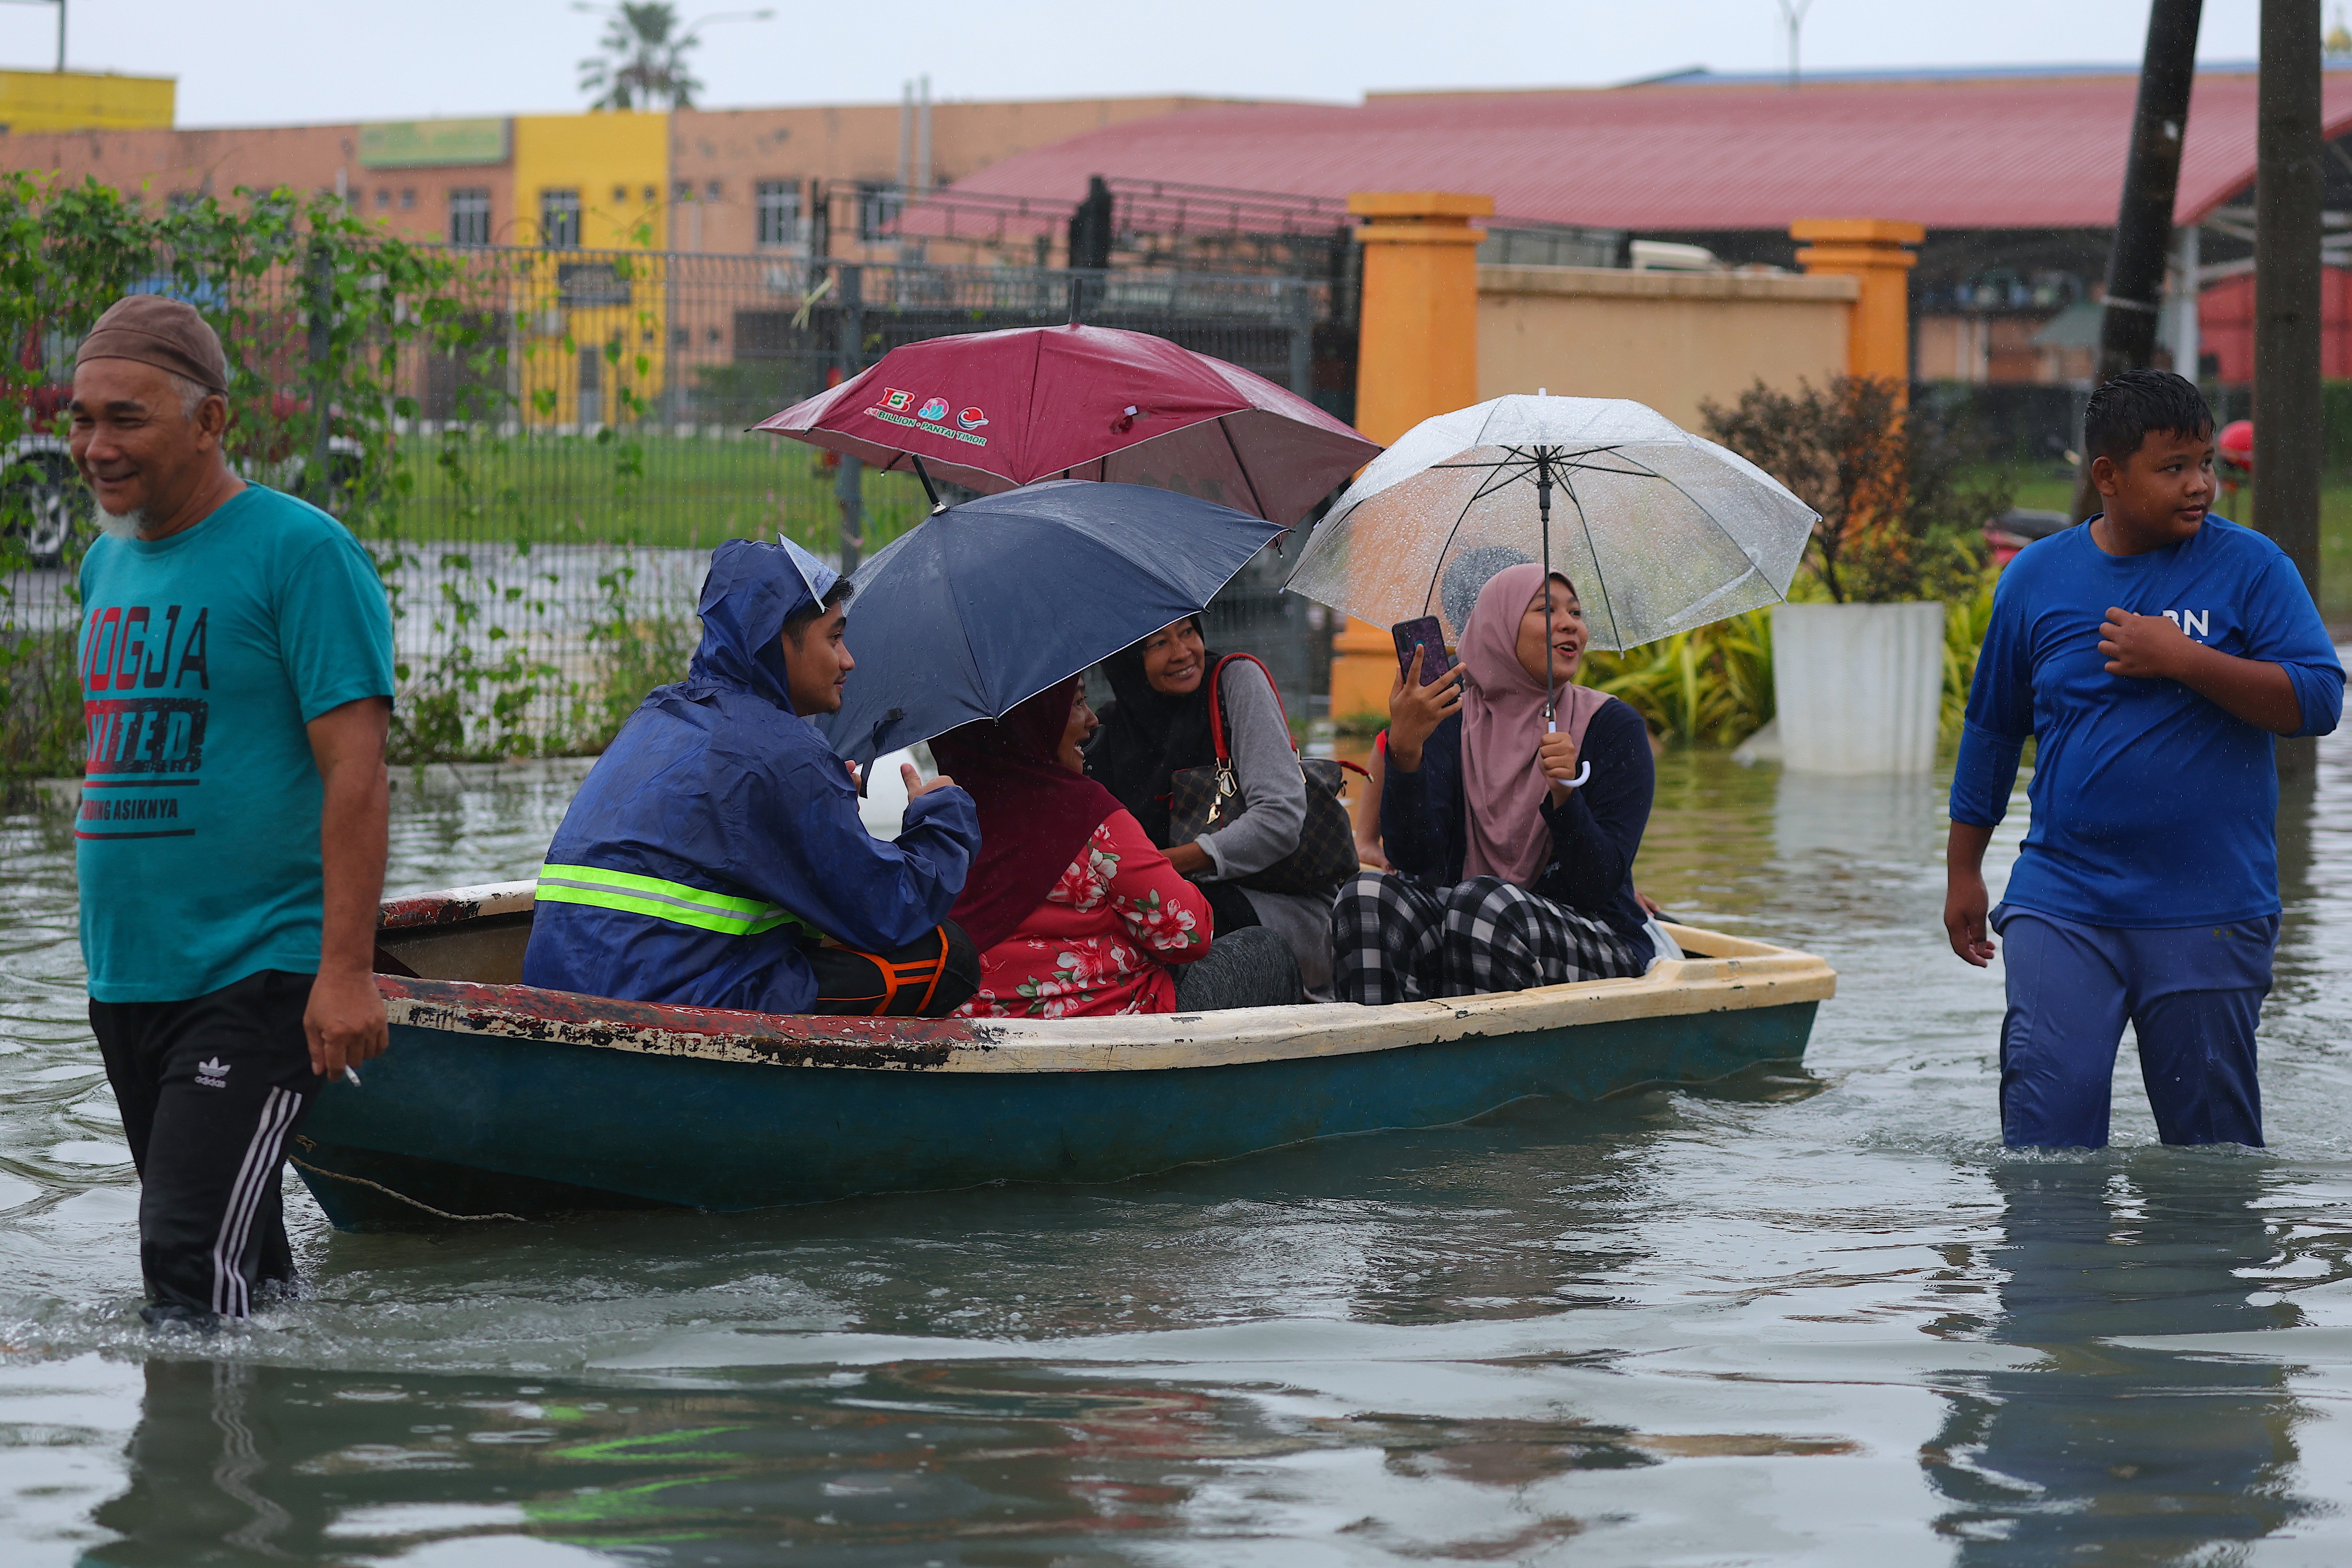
[(1198, 797)]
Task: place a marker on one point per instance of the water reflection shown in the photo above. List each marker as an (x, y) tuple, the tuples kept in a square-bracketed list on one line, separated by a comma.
[(203, 1465), (1806, 1317), (2138, 1455)]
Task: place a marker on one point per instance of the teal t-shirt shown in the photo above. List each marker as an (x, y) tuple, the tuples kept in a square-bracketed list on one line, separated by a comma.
[(203, 656)]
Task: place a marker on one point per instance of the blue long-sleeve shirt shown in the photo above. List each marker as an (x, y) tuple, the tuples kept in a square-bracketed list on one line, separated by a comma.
[(2152, 807), (1596, 832)]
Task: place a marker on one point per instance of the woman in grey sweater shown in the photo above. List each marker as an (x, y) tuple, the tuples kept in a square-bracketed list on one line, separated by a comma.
[(1157, 725)]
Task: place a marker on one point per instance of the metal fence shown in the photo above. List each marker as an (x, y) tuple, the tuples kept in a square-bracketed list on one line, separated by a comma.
[(550, 495)]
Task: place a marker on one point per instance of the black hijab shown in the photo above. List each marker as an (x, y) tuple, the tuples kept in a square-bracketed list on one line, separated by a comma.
[(1147, 736)]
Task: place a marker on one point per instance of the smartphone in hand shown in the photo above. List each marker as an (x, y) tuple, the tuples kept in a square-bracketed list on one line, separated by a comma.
[(1424, 633)]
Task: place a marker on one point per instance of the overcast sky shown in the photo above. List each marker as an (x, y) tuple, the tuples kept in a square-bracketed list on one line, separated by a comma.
[(288, 61)]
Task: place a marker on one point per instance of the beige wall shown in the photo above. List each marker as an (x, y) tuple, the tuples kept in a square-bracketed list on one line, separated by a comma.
[(1670, 340), (154, 165)]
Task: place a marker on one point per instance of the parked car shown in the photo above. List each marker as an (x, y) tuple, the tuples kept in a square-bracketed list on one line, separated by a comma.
[(42, 498)]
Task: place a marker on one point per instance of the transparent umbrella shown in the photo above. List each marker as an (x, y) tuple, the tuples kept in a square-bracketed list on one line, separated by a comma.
[(1660, 530)]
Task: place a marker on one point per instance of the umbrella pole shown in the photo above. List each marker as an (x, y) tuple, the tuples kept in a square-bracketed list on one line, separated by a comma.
[(1543, 512), (931, 490)]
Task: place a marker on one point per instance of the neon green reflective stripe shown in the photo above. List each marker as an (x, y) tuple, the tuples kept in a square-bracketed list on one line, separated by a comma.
[(664, 901)]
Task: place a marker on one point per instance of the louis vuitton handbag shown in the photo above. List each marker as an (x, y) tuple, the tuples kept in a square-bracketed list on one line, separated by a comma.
[(1200, 798)]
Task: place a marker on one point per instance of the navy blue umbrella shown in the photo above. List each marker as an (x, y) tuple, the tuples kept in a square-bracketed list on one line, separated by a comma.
[(989, 602)]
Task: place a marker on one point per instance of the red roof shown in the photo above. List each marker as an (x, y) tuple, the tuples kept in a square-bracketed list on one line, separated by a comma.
[(2016, 153)]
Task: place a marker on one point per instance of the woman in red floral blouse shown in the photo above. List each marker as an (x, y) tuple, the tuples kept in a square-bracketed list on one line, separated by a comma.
[(1103, 934)]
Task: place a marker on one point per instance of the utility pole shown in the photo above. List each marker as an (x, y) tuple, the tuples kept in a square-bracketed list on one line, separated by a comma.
[(849, 480), (2288, 183), (2142, 244)]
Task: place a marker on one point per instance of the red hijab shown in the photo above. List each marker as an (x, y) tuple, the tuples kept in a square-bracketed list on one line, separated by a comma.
[(1035, 814)]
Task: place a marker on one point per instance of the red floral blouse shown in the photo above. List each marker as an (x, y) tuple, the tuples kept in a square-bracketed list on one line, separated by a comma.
[(1102, 941)]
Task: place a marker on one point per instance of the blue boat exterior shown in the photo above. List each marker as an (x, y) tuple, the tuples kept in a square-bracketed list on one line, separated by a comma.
[(500, 1099)]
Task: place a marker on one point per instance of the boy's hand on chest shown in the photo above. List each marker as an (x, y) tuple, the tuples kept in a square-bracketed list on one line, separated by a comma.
[(2145, 647)]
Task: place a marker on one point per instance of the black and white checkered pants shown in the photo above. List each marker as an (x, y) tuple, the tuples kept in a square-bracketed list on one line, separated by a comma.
[(1395, 938)]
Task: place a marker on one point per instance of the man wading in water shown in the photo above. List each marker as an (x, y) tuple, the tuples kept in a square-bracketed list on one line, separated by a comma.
[(2152, 652), (236, 682)]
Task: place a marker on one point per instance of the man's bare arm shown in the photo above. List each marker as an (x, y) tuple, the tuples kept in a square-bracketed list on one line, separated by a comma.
[(1964, 905), (2150, 648), (345, 1018)]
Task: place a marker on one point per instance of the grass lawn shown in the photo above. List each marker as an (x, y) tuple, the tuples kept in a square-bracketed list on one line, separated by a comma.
[(688, 492), (2335, 530)]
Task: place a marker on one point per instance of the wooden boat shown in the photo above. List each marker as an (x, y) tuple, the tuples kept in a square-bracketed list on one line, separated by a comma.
[(500, 1099)]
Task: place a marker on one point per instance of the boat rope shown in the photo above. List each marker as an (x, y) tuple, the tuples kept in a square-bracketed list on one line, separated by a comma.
[(404, 1197)]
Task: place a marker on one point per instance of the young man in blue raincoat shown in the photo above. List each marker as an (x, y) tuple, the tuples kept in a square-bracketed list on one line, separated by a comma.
[(714, 857)]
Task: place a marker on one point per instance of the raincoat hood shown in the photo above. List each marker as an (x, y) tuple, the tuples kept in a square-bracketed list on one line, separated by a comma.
[(753, 590)]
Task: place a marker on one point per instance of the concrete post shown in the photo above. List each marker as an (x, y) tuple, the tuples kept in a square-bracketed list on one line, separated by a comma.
[(1417, 356), (1869, 250)]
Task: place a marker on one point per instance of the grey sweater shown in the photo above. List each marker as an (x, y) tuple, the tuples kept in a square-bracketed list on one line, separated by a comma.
[(1273, 810)]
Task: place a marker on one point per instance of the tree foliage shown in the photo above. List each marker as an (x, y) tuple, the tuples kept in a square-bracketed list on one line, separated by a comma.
[(315, 308), (1900, 519), (643, 62)]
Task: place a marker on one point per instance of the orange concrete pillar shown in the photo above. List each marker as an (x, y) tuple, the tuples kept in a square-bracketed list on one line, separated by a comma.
[(1417, 354), (1869, 250)]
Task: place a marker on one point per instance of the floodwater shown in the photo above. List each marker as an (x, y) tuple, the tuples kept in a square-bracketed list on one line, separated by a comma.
[(1812, 1317)]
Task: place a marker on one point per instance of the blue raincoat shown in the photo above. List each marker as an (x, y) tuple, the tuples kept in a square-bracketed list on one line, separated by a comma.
[(719, 833)]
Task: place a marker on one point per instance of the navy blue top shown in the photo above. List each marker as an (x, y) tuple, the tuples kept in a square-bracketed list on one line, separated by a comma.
[(1595, 832), (2152, 807)]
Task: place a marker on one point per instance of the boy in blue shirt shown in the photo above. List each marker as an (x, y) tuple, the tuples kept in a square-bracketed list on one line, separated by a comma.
[(2153, 653)]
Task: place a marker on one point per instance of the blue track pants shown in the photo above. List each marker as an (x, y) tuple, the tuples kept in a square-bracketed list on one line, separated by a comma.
[(2192, 995)]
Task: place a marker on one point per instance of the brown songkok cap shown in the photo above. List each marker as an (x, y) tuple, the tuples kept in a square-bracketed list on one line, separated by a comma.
[(165, 333)]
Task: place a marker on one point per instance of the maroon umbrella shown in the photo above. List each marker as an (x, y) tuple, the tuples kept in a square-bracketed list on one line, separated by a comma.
[(993, 411)]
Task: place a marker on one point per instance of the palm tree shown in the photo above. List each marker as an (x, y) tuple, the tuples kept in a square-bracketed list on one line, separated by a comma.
[(644, 62)]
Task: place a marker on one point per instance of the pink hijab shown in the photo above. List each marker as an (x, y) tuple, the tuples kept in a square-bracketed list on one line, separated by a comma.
[(1502, 725)]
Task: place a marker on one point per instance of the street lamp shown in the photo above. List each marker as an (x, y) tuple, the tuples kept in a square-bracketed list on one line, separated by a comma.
[(701, 22), (60, 5), (1792, 12)]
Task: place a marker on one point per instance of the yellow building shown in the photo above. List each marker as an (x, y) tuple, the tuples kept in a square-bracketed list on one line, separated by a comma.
[(83, 101), (593, 338)]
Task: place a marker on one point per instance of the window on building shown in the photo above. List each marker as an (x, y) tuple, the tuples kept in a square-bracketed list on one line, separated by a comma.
[(383, 200), (683, 191), (653, 194), (779, 212), (711, 191), (878, 209), (407, 200), (620, 196), (559, 219), (469, 217)]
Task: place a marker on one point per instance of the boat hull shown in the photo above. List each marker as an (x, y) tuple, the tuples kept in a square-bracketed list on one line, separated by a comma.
[(496, 1099), (618, 1126)]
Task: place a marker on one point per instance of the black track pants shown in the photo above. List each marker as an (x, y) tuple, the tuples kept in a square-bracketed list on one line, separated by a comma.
[(210, 1091)]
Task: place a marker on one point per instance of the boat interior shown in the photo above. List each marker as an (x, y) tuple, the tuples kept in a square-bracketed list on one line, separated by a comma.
[(478, 934)]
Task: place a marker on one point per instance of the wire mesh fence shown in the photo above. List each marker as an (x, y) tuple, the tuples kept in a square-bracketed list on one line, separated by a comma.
[(546, 470)]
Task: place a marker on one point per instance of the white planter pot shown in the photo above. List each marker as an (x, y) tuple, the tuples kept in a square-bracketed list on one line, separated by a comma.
[(1859, 688)]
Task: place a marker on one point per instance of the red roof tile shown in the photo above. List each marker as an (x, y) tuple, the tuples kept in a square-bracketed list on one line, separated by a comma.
[(2022, 152)]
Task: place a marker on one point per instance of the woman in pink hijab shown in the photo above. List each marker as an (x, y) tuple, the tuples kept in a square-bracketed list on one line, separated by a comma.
[(1512, 844)]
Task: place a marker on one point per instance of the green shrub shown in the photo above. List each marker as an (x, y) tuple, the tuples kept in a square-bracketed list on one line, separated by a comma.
[(1712, 686), (1902, 516)]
